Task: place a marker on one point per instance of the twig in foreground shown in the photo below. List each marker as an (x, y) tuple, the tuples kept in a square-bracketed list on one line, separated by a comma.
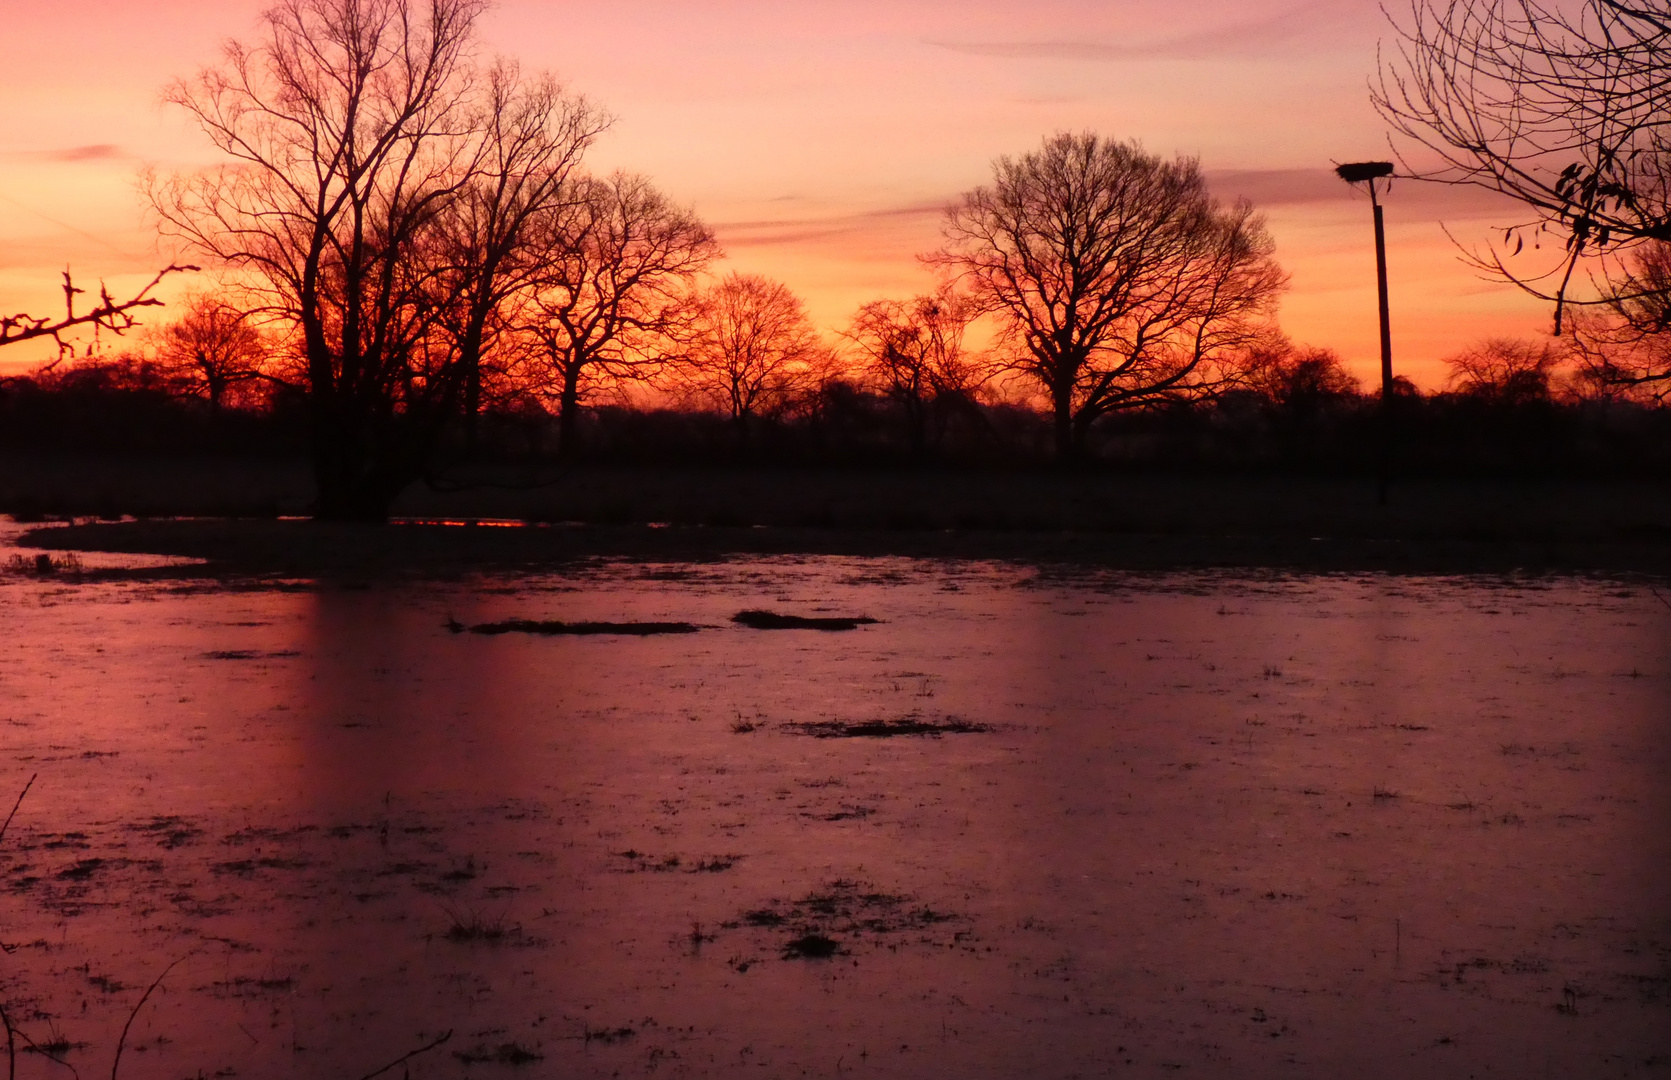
[(408, 1056), (120, 1043), (17, 804), (11, 1045)]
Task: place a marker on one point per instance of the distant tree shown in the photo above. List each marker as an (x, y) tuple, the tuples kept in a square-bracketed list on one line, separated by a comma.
[(1510, 372), (912, 352), (1118, 279), (1563, 107), (110, 314), (380, 201), (613, 288), (751, 349), (126, 371), (211, 349), (1623, 347), (1297, 378)]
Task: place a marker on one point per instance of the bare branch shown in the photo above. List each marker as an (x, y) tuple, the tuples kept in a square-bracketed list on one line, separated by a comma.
[(109, 313), (1565, 109)]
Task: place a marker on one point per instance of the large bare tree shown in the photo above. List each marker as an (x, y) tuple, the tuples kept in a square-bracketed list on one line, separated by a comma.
[(1563, 107), (496, 246), (380, 191), (612, 290), (1117, 277)]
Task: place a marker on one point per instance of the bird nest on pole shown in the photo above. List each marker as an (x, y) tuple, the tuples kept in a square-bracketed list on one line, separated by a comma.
[(1357, 172)]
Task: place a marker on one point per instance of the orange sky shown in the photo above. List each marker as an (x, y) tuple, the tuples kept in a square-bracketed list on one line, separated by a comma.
[(821, 137)]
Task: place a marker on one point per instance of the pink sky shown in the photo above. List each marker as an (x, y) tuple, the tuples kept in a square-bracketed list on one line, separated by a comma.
[(822, 138)]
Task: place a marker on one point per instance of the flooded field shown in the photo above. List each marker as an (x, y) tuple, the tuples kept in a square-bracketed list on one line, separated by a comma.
[(1027, 823)]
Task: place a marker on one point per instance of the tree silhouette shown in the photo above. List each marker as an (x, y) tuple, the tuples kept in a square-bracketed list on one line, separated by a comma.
[(1510, 372), (1118, 279), (1565, 109), (494, 245), (1301, 380), (619, 259), (1623, 346), (913, 354), (381, 192), (751, 349), (211, 349)]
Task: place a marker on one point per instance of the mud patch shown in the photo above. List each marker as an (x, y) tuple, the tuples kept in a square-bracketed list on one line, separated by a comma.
[(511, 1053), (840, 915), (914, 724), (756, 619), (555, 627)]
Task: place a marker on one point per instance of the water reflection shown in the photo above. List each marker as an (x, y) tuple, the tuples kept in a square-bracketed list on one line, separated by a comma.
[(1276, 827)]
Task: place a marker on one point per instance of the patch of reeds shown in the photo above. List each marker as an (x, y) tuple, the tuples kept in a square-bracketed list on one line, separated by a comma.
[(474, 927), (46, 565)]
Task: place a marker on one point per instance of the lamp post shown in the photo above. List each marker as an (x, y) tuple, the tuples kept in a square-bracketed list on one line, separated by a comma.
[(1367, 172)]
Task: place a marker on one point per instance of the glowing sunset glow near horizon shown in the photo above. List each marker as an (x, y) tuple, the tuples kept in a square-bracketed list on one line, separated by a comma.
[(822, 139)]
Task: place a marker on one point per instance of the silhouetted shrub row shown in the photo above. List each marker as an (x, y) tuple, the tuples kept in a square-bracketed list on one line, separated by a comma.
[(1343, 434)]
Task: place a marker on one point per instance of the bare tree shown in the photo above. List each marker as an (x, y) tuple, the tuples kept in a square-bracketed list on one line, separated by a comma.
[(1564, 108), (612, 289), (495, 244), (1298, 378), (751, 349), (1623, 346), (1506, 371), (913, 353), (380, 188), (211, 349), (1118, 279), (111, 314)]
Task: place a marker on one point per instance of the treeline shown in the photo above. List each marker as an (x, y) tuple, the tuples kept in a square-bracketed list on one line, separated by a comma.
[(1509, 408)]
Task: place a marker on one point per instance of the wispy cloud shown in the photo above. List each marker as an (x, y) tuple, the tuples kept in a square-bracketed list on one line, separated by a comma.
[(90, 152), (800, 230), (1280, 32), (1279, 187), (1300, 187)]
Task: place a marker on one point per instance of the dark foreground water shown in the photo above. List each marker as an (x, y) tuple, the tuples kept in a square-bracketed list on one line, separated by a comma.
[(1030, 824)]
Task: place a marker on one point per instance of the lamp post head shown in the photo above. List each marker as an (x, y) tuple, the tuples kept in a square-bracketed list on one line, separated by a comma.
[(1357, 172)]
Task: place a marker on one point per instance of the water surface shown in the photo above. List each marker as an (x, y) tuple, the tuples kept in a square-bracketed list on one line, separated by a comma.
[(1188, 824)]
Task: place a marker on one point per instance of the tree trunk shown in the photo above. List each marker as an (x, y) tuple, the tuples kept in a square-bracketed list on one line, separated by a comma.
[(1067, 445), (568, 414), (349, 483), (916, 418), (472, 402)]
